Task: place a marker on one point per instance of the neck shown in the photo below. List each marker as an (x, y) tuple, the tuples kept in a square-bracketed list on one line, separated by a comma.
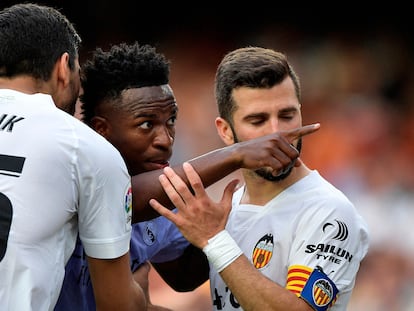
[(24, 84), (259, 191)]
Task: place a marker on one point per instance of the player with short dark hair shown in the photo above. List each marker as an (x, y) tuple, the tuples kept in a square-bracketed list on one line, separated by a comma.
[(290, 241), (58, 178)]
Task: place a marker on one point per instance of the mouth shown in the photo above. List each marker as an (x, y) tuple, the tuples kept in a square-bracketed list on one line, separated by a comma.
[(158, 164)]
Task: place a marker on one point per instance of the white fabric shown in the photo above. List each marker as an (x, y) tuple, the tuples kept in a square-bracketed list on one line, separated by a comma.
[(64, 183), (299, 219), (222, 250)]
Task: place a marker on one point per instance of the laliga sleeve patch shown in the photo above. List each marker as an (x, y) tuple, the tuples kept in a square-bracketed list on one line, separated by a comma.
[(128, 208), (319, 291)]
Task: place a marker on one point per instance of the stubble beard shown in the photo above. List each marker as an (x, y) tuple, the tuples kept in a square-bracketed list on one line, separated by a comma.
[(267, 173)]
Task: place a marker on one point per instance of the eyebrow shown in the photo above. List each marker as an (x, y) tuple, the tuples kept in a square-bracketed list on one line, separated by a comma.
[(255, 115), (264, 114), (152, 114)]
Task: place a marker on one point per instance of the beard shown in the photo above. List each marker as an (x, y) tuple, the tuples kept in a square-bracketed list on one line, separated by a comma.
[(266, 173)]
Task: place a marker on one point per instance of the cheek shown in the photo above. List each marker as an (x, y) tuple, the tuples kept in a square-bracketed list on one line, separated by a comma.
[(134, 150), (137, 144), (251, 133), (127, 140), (171, 133)]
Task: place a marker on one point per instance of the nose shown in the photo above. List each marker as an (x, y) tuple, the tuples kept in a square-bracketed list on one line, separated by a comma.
[(274, 125), (163, 137)]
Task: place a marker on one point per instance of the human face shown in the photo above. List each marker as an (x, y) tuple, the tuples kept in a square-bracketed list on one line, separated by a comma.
[(261, 111), (142, 126)]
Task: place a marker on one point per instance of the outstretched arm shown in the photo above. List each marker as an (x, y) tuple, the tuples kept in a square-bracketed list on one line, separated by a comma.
[(274, 150), (202, 222)]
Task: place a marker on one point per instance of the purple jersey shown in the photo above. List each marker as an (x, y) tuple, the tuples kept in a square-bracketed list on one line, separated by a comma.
[(157, 240)]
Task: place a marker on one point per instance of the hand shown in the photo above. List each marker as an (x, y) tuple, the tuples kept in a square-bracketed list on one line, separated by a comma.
[(141, 277), (274, 150), (198, 217)]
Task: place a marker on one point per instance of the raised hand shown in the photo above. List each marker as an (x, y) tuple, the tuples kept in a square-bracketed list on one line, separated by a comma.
[(197, 217)]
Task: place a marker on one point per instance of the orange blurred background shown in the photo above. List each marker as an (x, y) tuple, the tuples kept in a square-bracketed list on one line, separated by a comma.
[(357, 72)]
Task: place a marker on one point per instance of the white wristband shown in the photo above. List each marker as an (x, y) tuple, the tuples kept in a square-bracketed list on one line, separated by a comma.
[(222, 250)]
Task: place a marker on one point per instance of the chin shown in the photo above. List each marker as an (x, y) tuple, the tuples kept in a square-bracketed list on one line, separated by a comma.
[(267, 174)]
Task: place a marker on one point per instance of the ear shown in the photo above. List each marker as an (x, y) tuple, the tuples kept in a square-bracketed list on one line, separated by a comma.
[(63, 70), (100, 125), (224, 131)]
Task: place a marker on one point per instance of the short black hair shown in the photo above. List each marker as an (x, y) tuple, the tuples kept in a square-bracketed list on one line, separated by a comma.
[(32, 38), (124, 66)]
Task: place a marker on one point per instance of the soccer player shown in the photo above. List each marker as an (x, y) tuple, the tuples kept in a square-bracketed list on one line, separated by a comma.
[(290, 241), (58, 177), (127, 98)]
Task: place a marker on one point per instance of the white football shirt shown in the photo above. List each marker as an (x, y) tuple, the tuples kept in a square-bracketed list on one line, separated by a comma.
[(310, 225), (56, 175)]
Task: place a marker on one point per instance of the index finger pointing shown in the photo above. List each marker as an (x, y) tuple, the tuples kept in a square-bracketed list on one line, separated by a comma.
[(302, 131)]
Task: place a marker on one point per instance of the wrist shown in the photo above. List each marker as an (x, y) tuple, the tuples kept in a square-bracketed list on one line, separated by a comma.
[(237, 155), (221, 250)]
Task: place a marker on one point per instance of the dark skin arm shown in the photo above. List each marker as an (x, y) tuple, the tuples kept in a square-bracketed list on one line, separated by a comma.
[(274, 150), (114, 287), (141, 277), (191, 269)]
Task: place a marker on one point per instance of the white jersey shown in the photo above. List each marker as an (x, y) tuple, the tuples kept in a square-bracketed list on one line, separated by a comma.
[(309, 226), (54, 179)]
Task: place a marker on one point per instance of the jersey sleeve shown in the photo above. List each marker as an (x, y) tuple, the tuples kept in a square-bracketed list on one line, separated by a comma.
[(105, 204), (175, 243), (156, 240)]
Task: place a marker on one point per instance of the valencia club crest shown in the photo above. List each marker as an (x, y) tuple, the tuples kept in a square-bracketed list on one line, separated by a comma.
[(263, 251)]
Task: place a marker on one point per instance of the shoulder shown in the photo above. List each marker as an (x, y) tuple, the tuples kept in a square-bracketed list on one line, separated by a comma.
[(91, 155), (325, 202), (94, 146), (318, 190)]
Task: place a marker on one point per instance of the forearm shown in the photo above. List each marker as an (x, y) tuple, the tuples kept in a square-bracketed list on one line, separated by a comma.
[(211, 167), (264, 295), (114, 286), (272, 150)]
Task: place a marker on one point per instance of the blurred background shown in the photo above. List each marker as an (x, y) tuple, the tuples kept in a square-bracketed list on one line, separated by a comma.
[(357, 73)]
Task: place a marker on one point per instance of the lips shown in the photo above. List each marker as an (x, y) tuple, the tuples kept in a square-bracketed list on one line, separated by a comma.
[(158, 163), (162, 163)]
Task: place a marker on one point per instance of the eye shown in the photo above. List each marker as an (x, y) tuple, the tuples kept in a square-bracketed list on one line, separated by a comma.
[(146, 125), (287, 116), (172, 121), (257, 121)]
